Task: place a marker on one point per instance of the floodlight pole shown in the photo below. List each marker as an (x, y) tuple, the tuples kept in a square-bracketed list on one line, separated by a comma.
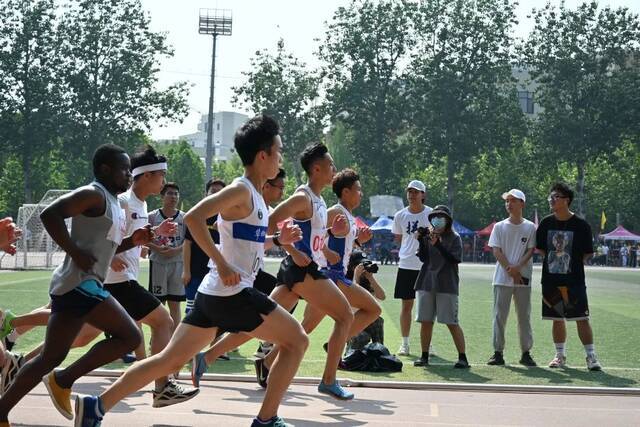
[(214, 22), (209, 152)]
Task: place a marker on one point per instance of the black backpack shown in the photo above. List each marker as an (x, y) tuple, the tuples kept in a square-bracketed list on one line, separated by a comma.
[(374, 357)]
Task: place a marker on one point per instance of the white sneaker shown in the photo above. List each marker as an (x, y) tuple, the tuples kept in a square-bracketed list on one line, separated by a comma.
[(559, 361), (404, 350), (593, 364)]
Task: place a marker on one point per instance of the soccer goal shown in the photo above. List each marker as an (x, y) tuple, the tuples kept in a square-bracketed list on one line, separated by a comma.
[(36, 249)]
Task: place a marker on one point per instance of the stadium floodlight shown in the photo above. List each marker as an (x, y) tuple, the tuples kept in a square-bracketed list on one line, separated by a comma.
[(213, 22)]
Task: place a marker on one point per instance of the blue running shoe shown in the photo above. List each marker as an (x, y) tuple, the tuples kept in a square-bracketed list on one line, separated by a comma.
[(198, 368), (87, 412), (273, 422), (129, 358), (335, 390)]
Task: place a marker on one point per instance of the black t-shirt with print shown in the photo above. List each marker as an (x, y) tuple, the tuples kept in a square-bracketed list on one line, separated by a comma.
[(565, 243), (200, 260)]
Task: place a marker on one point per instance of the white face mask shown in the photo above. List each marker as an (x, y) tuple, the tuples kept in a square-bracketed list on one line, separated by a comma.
[(438, 222)]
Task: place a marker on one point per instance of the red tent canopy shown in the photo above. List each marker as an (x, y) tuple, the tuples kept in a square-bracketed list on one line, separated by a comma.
[(621, 233), (487, 230)]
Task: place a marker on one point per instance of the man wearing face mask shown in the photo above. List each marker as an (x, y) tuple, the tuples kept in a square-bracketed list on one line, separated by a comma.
[(440, 250)]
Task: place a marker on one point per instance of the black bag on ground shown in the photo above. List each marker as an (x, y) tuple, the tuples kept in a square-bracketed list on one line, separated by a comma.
[(374, 357)]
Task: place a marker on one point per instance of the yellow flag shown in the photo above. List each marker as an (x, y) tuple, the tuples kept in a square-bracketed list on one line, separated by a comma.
[(603, 221)]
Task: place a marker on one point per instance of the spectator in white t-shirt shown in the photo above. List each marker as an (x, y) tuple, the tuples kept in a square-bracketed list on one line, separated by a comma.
[(405, 227), (513, 243)]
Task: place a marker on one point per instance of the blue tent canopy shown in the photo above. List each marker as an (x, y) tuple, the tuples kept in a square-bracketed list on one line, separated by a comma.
[(462, 230), (382, 224)]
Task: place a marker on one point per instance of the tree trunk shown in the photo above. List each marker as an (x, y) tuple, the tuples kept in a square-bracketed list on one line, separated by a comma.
[(450, 182), (580, 199)]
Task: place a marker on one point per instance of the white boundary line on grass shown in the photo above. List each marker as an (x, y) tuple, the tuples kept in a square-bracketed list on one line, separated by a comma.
[(415, 385)]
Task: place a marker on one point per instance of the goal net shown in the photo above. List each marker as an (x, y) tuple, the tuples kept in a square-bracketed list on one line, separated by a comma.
[(36, 249)]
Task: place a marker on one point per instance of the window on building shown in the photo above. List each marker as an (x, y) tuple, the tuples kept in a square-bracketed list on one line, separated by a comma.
[(525, 98)]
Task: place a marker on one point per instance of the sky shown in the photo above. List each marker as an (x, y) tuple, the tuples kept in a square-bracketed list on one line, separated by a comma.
[(256, 25)]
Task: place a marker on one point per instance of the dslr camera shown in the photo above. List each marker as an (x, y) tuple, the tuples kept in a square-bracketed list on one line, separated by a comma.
[(370, 266), (423, 232)]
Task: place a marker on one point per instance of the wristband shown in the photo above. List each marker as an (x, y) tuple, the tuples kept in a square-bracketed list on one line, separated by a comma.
[(357, 242), (275, 239), (330, 233)]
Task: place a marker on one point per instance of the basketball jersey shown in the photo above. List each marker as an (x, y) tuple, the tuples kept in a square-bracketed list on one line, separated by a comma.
[(100, 236), (343, 245), (241, 245), (314, 229)]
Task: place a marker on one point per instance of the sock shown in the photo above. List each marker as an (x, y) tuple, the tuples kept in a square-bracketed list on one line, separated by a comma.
[(560, 348), (590, 349), (405, 340), (265, 422), (463, 356), (425, 355), (99, 408)]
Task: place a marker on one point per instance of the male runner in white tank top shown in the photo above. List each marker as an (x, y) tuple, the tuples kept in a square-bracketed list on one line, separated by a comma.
[(226, 298)]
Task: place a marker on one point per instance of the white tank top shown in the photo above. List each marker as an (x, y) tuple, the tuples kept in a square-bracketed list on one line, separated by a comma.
[(344, 245), (314, 229), (241, 245)]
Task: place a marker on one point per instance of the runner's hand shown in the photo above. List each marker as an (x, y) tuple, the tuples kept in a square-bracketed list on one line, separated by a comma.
[(186, 277), (118, 264), (364, 235), (227, 274), (340, 225), (142, 235), (167, 228), (289, 233)]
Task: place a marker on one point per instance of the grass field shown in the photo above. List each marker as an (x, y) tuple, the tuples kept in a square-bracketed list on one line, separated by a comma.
[(614, 303)]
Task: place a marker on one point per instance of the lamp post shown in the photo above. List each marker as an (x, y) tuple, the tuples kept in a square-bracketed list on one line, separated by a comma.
[(214, 22)]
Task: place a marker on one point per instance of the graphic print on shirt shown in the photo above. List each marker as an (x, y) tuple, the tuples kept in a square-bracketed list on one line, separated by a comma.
[(559, 258), (412, 227)]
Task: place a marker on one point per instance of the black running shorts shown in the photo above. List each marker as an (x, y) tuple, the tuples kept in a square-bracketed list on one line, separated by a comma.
[(241, 312), (135, 299)]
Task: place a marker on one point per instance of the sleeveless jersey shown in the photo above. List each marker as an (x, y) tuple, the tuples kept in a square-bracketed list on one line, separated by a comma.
[(314, 229), (100, 236), (241, 245), (343, 245)]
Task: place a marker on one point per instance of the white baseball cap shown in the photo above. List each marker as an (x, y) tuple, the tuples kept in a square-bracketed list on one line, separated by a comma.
[(417, 185), (514, 192)]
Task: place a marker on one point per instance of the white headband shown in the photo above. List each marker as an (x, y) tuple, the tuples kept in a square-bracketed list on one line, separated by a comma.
[(149, 168)]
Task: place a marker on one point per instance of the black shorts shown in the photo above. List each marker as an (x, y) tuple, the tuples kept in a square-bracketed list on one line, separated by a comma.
[(405, 283), (80, 300), (265, 282), (238, 313), (135, 299), (290, 273), (564, 302)]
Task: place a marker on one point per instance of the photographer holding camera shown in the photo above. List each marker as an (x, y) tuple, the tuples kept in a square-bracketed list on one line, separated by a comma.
[(362, 271), (440, 250)]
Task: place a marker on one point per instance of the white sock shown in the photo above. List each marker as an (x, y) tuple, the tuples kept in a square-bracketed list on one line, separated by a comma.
[(405, 340), (560, 350), (590, 349)]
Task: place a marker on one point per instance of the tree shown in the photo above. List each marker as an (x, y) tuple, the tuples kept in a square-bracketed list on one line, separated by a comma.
[(280, 85), (460, 82), (187, 170), (30, 91), (111, 70), (364, 46), (586, 61)]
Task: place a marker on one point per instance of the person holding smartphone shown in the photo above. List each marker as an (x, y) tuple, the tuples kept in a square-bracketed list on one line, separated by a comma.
[(513, 241)]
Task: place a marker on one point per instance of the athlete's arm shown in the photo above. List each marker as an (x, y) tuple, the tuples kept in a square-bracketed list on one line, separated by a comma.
[(397, 238), (84, 201), (297, 206), (232, 201), (186, 262)]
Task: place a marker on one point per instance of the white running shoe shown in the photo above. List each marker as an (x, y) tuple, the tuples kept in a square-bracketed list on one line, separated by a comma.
[(404, 350), (593, 364), (559, 361)]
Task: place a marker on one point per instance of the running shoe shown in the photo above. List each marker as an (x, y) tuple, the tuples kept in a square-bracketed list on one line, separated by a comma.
[(527, 360), (6, 317), (61, 397), (559, 361), (593, 364), (497, 359), (13, 363), (404, 350), (262, 372), (335, 390), (198, 368), (273, 422), (173, 393), (87, 412)]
